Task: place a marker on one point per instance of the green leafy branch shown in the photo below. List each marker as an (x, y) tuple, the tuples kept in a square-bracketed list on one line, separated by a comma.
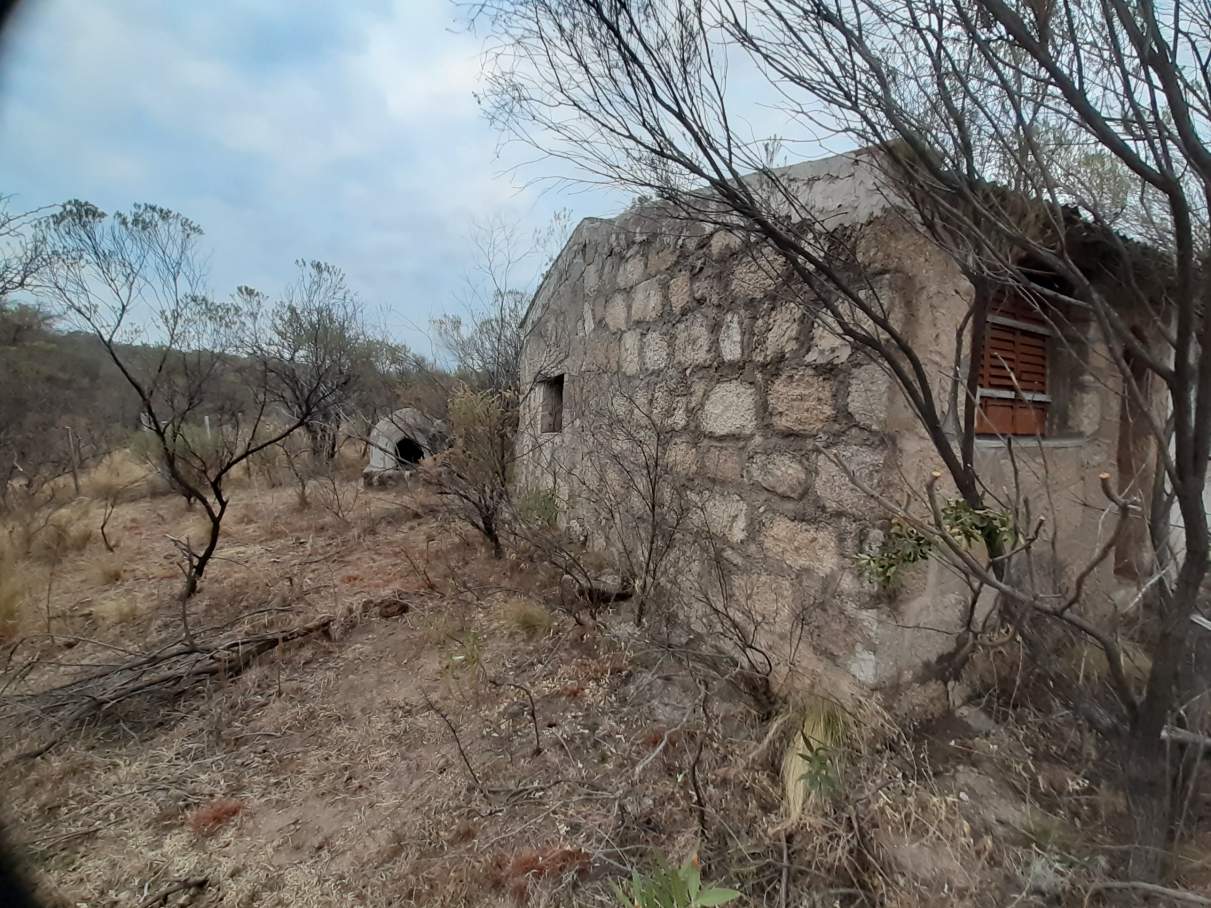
[(906, 544)]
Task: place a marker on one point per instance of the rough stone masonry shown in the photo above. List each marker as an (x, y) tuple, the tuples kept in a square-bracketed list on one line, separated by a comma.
[(759, 399)]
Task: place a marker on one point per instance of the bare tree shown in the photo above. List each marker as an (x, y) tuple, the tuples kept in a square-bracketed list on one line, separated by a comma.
[(993, 120), (315, 340), (475, 470), (22, 249), (133, 281), (485, 341), (484, 348)]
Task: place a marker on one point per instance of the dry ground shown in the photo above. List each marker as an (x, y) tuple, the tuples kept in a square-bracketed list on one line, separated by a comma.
[(454, 741)]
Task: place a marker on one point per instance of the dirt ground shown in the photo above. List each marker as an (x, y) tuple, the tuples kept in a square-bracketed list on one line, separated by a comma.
[(456, 738), (325, 774)]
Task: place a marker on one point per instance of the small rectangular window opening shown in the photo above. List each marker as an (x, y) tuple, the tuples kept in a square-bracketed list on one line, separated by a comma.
[(552, 404)]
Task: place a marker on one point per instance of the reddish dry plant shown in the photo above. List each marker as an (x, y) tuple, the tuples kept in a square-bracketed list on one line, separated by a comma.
[(572, 690), (209, 817), (515, 874)]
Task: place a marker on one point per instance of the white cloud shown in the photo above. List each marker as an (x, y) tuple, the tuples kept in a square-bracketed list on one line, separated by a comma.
[(305, 130)]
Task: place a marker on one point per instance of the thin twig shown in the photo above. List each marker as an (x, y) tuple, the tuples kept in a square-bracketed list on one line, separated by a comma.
[(459, 744), (533, 711), (161, 897), (1149, 888)]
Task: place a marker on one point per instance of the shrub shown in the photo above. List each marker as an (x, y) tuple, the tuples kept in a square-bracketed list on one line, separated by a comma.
[(119, 476), (475, 469), (672, 887), (815, 756), (538, 508), (529, 617), (110, 570), (66, 531), (116, 611)]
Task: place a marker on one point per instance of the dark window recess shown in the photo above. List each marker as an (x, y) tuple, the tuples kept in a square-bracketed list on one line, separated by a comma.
[(552, 404), (1013, 398)]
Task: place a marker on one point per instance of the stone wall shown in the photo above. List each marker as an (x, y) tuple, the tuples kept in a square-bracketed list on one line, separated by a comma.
[(755, 395)]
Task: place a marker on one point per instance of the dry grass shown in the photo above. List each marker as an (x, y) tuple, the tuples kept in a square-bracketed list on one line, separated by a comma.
[(13, 591), (815, 754), (120, 476), (349, 789), (117, 610), (109, 569), (530, 618)]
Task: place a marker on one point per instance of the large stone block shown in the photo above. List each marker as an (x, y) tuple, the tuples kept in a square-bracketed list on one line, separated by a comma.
[(589, 321), (726, 517), (779, 335), (802, 546), (679, 292), (753, 278), (731, 338), (730, 409), (722, 463), (781, 473), (829, 346), (869, 388), (837, 491), (632, 270), (628, 355), (682, 458), (769, 598), (662, 256), (647, 303), (601, 353), (616, 311), (801, 401), (724, 243), (655, 351), (592, 276), (692, 344)]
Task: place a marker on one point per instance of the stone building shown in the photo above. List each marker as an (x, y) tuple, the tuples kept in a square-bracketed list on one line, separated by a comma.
[(755, 405)]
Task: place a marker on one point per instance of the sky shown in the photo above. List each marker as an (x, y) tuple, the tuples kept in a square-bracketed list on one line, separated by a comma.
[(345, 132)]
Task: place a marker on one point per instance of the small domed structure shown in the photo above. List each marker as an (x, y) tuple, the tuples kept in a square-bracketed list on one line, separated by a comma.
[(402, 440)]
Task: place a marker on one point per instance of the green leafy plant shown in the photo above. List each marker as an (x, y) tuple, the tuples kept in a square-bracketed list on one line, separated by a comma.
[(814, 764), (672, 887), (469, 654), (902, 546), (905, 545), (821, 770), (539, 508)]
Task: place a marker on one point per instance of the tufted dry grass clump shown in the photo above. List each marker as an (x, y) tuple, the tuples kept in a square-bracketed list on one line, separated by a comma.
[(530, 618), (117, 610), (109, 570), (122, 476)]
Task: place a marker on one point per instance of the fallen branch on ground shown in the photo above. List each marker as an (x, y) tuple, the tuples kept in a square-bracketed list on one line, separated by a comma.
[(161, 897), (170, 671), (1152, 889)]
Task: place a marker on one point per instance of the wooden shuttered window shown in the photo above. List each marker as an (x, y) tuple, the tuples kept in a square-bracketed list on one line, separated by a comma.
[(1013, 397)]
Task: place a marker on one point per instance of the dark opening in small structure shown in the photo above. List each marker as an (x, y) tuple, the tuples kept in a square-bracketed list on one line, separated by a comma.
[(408, 452), (552, 404)]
